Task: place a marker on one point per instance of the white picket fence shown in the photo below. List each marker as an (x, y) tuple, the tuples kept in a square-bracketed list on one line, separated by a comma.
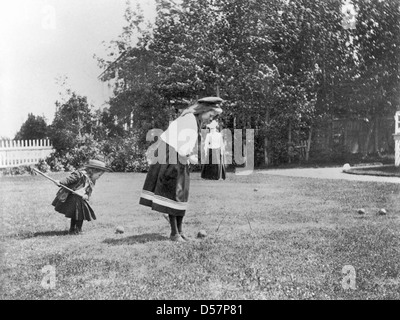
[(14, 153)]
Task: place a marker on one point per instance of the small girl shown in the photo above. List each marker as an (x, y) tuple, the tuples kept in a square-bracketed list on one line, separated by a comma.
[(73, 206)]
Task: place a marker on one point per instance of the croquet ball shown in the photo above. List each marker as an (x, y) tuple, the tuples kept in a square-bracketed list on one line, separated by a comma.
[(361, 211), (119, 229), (202, 234), (346, 166), (382, 212)]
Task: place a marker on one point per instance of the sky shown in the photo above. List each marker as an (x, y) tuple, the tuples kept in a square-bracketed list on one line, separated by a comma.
[(45, 40)]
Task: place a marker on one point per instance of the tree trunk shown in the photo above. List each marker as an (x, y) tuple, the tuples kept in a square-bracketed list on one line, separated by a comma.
[(368, 139), (377, 136), (267, 158), (217, 89), (290, 140), (308, 144), (329, 136), (79, 127)]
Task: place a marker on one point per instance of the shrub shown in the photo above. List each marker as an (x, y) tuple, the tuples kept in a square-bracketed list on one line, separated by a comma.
[(42, 166), (124, 155), (88, 148), (137, 165), (54, 162), (14, 171), (121, 154)]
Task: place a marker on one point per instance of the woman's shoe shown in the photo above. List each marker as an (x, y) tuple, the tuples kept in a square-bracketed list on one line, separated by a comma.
[(184, 237), (177, 238)]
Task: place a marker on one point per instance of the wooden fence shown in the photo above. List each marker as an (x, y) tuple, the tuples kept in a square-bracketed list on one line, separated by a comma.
[(14, 153)]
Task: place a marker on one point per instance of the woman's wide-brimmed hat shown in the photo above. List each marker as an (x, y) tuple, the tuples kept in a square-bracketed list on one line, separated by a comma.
[(97, 164), (210, 100), (214, 124)]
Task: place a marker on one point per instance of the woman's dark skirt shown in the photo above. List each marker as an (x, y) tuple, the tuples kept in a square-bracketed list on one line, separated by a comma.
[(74, 207), (166, 188), (215, 169)]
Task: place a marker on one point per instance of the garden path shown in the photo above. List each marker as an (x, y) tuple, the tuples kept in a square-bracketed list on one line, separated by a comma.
[(327, 173)]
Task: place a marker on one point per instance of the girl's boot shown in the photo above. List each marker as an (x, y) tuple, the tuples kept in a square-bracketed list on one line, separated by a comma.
[(175, 236), (179, 221), (72, 226), (79, 224)]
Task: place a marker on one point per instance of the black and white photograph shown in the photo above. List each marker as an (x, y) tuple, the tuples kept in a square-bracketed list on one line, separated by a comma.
[(202, 155)]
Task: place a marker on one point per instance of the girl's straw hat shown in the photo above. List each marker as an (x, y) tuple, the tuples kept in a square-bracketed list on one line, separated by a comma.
[(97, 164)]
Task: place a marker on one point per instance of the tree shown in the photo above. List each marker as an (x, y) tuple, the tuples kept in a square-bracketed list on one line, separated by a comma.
[(283, 66), (135, 102), (73, 119), (373, 87), (215, 48), (34, 127)]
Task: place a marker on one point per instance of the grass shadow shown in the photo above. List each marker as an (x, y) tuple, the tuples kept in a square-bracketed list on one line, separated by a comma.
[(28, 235), (141, 238), (51, 233)]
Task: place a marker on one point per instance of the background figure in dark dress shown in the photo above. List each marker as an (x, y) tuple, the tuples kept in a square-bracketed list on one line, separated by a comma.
[(74, 206), (214, 151), (166, 188)]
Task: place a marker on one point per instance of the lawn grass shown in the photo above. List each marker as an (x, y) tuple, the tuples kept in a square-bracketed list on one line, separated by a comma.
[(269, 237)]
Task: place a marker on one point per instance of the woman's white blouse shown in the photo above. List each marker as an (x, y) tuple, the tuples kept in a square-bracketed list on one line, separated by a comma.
[(213, 140), (182, 134)]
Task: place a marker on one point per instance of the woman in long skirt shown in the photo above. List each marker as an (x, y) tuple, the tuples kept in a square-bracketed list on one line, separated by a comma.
[(214, 169), (166, 188)]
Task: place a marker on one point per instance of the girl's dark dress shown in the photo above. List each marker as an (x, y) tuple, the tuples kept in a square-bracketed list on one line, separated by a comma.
[(71, 205)]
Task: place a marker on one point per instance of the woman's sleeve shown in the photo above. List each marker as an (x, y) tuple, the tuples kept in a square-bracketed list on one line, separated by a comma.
[(71, 179), (182, 134)]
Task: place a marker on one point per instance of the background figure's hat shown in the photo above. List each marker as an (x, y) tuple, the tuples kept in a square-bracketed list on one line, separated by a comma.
[(214, 124), (97, 164), (210, 100)]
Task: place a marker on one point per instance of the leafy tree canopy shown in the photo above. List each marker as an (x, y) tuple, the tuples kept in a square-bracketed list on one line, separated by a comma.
[(34, 127), (73, 119), (281, 65)]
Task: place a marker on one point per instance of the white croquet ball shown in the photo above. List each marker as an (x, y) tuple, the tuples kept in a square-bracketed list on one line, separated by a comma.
[(202, 234), (382, 212), (346, 166), (119, 229)]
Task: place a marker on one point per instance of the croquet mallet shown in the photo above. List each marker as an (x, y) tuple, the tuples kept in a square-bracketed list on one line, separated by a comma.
[(58, 184)]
